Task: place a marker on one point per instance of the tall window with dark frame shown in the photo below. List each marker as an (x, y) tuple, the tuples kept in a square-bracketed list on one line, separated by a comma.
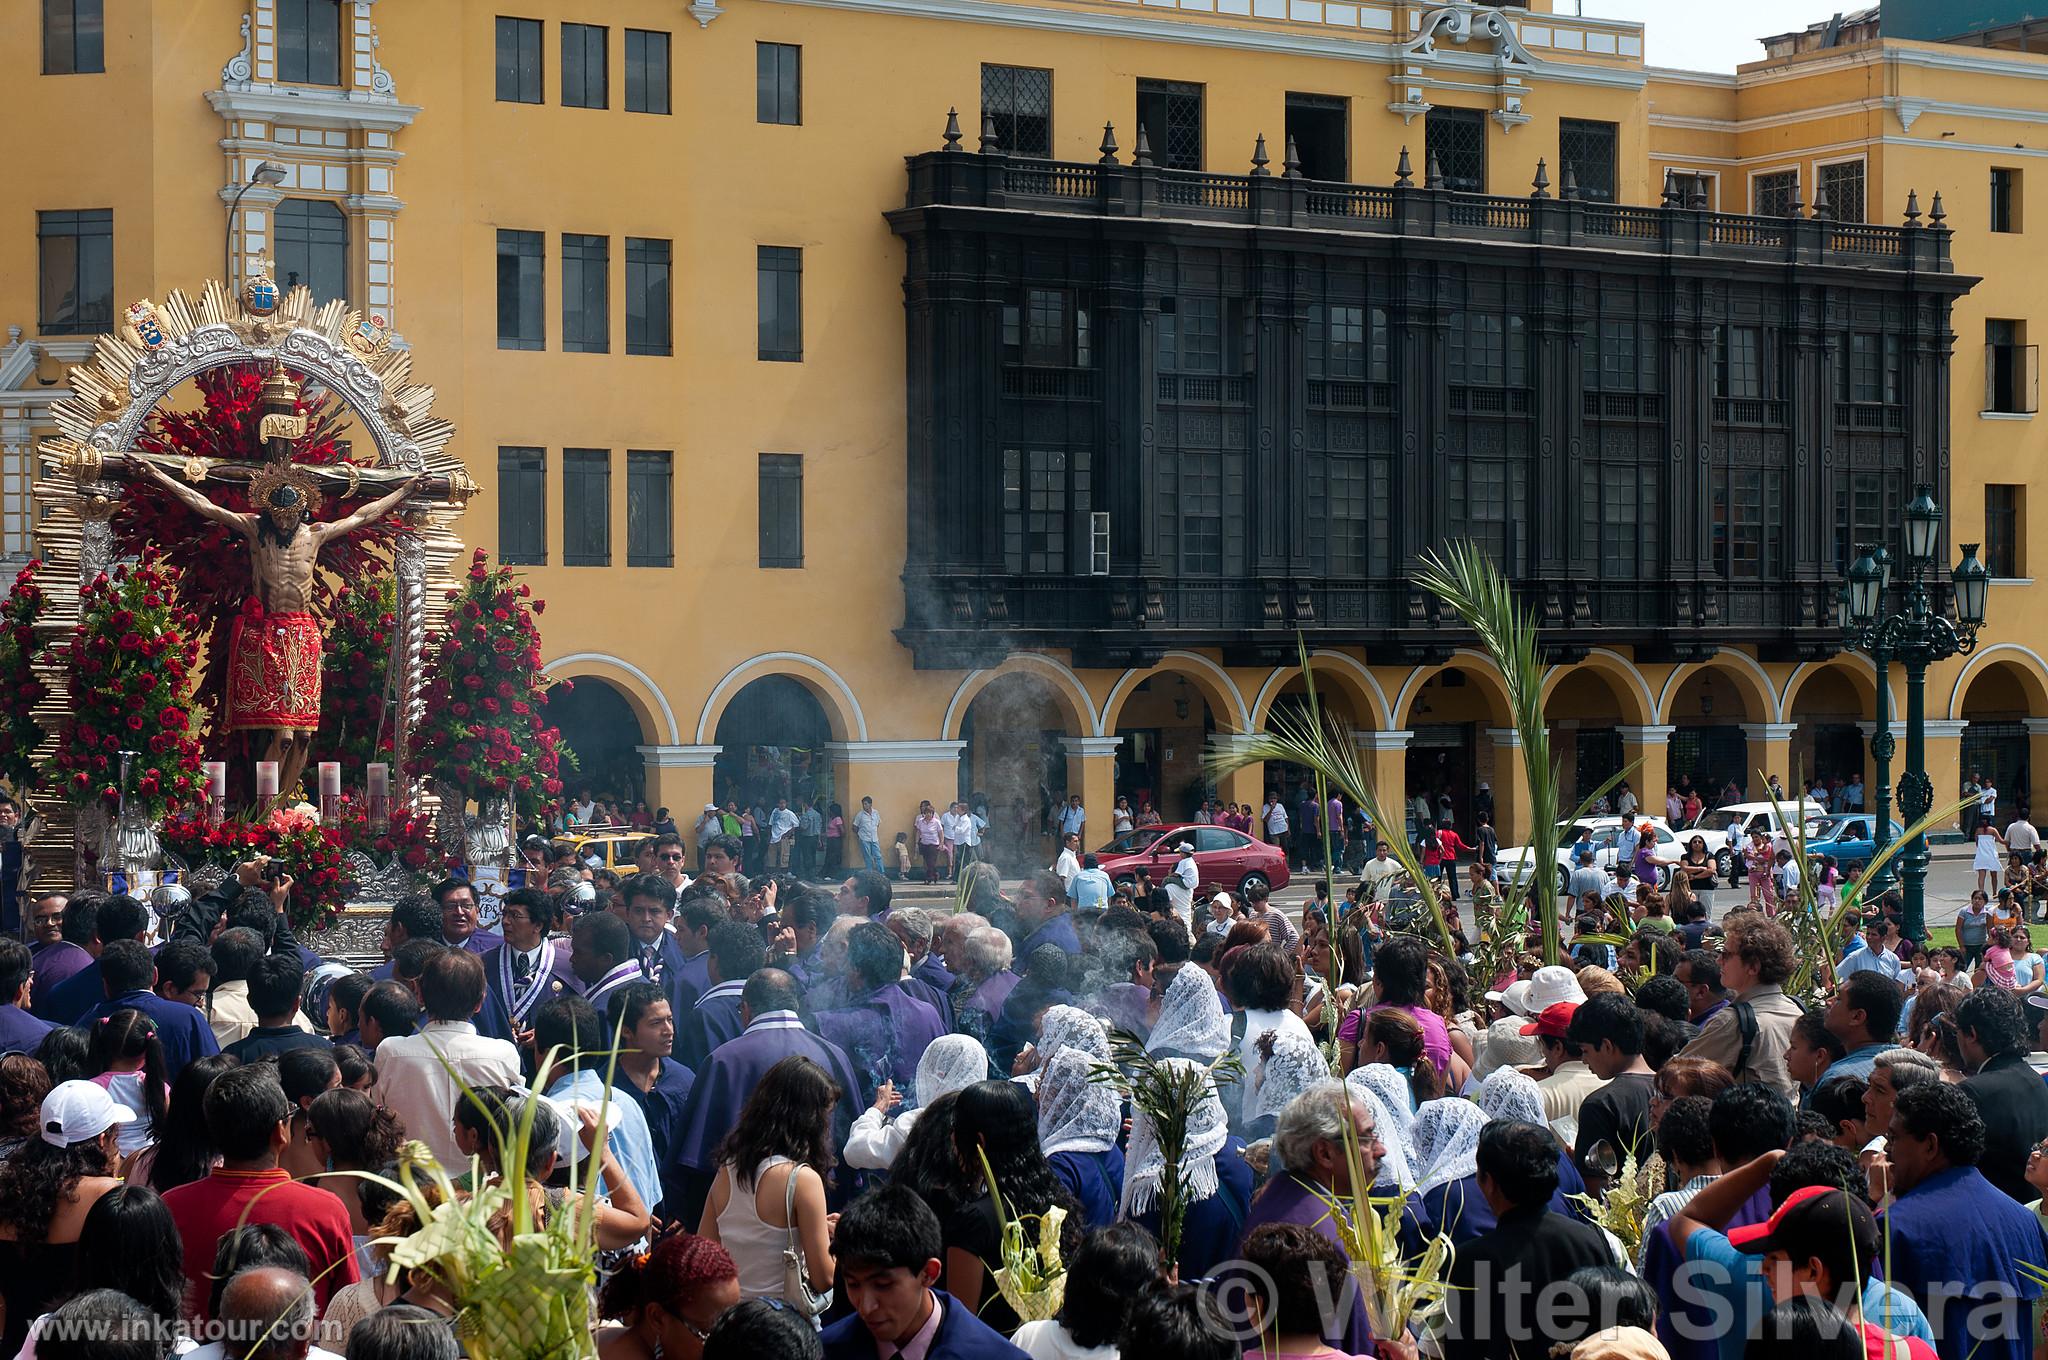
[(1774, 194), (312, 247), (2012, 368), (1050, 329), (586, 289), (1741, 369), (1843, 183), (1868, 505), (650, 508), (781, 496), (1019, 100), (1621, 355), (2006, 216), (1046, 499), (647, 295), (1591, 152), (1200, 488), (1748, 522), (1869, 369), (309, 42), (2004, 522), (779, 280), (779, 83), (1170, 111), (74, 37), (1319, 125), (586, 82), (646, 70), (520, 64), (522, 506), (1456, 140), (75, 263), (521, 269), (587, 507), (1201, 335)]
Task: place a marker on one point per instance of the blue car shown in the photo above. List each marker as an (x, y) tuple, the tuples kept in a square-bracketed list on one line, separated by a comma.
[(1849, 836)]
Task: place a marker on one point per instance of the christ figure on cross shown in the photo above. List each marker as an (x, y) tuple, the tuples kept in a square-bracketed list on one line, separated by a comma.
[(274, 645)]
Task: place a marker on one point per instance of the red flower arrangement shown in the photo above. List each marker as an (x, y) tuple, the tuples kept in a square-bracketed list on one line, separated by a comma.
[(311, 854), (20, 690), (484, 733), (361, 625), (408, 839), (213, 577), (132, 656)]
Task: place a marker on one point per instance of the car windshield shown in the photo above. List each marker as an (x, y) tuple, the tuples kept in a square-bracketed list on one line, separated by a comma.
[(1823, 828), (1720, 821), (1130, 842)]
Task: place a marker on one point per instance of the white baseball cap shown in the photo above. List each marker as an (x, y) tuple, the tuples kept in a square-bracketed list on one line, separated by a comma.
[(79, 1111), (1515, 996), (1551, 984)]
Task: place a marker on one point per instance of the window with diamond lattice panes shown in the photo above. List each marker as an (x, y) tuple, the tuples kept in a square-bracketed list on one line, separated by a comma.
[(1456, 140), (1589, 150), (1843, 184), (1019, 101), (1774, 194), (1170, 111)]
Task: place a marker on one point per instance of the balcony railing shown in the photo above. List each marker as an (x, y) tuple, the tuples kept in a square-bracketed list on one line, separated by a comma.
[(994, 179)]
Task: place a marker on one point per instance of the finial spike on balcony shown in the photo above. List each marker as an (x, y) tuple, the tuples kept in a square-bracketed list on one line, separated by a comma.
[(1937, 216), (1912, 207), (1798, 205), (1672, 198), (1697, 199), (1108, 145), (989, 140), (1570, 189), (952, 135), (1292, 164), (1433, 173), (1260, 159), (1822, 208), (1542, 181), (1404, 172), (1141, 155)]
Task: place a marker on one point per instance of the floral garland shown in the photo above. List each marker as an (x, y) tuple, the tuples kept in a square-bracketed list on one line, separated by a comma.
[(357, 657), (20, 691), (484, 733), (312, 855), (132, 656)]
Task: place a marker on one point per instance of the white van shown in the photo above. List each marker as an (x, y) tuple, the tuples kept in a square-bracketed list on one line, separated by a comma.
[(1727, 831)]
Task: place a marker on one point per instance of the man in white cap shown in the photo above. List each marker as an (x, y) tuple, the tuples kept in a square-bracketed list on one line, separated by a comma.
[(1182, 882), (1503, 1044)]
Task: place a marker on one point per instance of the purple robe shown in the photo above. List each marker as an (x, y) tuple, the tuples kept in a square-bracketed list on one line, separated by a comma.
[(52, 964), (736, 1067), (1126, 1006), (1287, 1200), (883, 1033), (495, 1019), (1661, 1262), (480, 942), (714, 1020)]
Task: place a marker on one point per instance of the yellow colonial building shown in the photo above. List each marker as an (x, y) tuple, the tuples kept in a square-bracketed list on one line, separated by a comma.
[(1094, 350)]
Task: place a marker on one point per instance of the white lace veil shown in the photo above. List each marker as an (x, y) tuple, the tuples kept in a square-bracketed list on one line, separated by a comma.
[(1070, 1026), (1296, 1064), (1391, 1087), (1447, 1141), (1508, 1094), (1191, 1021), (1396, 1175), (1076, 1114), (1208, 1128), (952, 1062)]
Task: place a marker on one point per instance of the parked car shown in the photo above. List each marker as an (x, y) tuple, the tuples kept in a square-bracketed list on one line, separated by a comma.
[(1229, 859), (1727, 828), (606, 848), (1604, 832), (1851, 837)]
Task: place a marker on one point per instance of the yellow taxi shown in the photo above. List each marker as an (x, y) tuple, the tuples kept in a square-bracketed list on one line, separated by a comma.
[(606, 847)]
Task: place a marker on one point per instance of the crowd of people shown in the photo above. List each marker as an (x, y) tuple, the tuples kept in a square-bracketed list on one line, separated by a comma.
[(831, 1108)]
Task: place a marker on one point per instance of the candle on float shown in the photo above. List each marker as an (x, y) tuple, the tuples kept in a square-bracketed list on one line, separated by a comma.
[(380, 794), (216, 772), (266, 779), (330, 779)]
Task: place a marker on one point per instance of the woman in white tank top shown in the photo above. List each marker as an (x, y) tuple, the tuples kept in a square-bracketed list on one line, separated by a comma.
[(784, 1131)]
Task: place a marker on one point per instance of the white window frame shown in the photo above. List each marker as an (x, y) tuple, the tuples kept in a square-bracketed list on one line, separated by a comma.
[(1862, 157), (1749, 182), (1713, 195)]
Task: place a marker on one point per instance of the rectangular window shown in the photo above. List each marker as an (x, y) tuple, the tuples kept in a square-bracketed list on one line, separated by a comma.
[(2004, 520), (1494, 496), (1201, 514), (646, 71), (1589, 151), (1870, 370), (1628, 522), (779, 276), (1842, 182), (1739, 363), (1748, 528), (647, 295), (1170, 112), (1694, 190), (521, 324), (1455, 142), (519, 61), (1867, 509), (75, 257), (1479, 350), (1019, 99), (586, 286), (2005, 201), (312, 247), (650, 508), (309, 42), (782, 509), (1047, 528), (1349, 516), (1049, 331), (584, 74), (1319, 125), (1337, 341), (74, 37), (779, 83), (587, 507), (1774, 194), (2012, 368), (522, 506)]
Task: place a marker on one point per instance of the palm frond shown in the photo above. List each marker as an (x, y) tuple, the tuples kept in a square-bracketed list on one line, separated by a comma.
[(1167, 1094)]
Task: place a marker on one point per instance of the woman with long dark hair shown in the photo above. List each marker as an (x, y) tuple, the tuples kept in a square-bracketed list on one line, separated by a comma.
[(927, 1163), (23, 1084), (771, 1178), (128, 1064), (46, 1191), (184, 1150), (996, 1118), (130, 1242), (348, 1131)]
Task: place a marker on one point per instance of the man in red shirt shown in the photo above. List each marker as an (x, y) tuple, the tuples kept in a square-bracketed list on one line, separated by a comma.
[(248, 1118)]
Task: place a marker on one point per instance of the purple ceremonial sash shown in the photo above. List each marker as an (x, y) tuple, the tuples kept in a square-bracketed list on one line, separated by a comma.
[(517, 1006)]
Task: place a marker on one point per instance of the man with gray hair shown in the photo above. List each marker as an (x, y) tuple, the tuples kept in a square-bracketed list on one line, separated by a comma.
[(266, 1313), (928, 980), (950, 940), (1314, 1168), (1893, 1071)]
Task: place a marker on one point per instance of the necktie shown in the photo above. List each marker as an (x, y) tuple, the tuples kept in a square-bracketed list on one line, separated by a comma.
[(650, 961), (522, 967)]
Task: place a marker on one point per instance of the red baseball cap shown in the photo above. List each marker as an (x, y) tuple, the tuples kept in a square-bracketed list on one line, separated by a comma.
[(1554, 1020), (1812, 1221)]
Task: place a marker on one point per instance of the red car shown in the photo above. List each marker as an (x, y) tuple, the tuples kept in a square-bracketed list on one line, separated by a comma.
[(1229, 859)]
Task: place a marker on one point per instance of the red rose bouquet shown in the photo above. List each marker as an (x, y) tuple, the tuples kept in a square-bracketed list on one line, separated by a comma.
[(361, 627), (20, 690), (312, 855)]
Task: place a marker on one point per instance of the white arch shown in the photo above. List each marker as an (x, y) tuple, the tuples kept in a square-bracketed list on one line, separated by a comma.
[(1628, 667), (967, 691), (1745, 662), (706, 730), (668, 715), (1284, 675), (1955, 698), (1240, 719), (1418, 676)]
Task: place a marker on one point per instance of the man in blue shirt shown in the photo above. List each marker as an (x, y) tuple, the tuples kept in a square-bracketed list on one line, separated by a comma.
[(570, 1023), (1864, 1015), (120, 918), (128, 973), (1873, 953)]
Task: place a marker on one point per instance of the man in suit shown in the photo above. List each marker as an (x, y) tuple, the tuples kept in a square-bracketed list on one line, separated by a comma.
[(120, 918), (887, 1251), (525, 972), (647, 906), (736, 955), (127, 973), (1995, 1038), (459, 919), (1492, 1311)]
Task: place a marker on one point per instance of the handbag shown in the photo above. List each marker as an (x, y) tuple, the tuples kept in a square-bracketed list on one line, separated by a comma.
[(796, 1278)]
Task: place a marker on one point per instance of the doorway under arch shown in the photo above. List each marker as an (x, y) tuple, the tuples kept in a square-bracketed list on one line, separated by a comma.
[(599, 726), (771, 740), (1014, 761)]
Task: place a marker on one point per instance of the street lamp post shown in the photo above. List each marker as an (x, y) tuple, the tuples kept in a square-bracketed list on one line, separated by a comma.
[(268, 173), (1917, 636)]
